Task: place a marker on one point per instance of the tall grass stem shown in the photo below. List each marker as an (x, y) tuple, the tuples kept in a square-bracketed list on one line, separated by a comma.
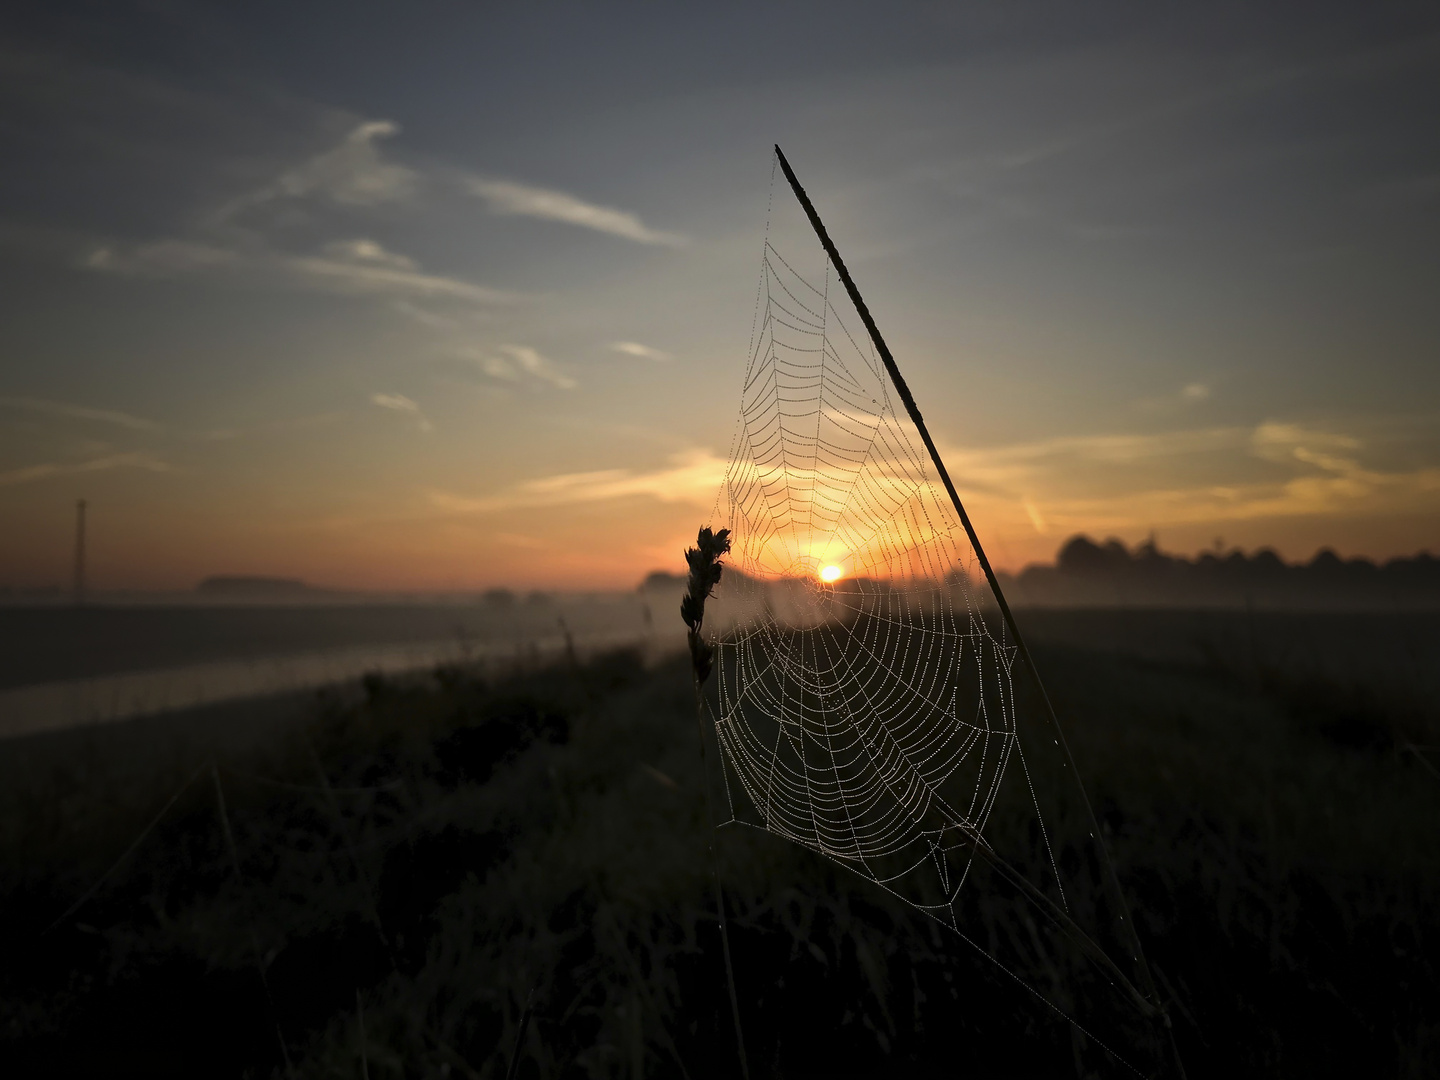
[(719, 890), (908, 399), (94, 888)]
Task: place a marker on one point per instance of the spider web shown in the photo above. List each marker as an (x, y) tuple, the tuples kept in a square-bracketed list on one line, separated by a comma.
[(867, 705), (871, 718)]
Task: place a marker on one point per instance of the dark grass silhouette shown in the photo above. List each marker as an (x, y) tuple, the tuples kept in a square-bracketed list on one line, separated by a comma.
[(436, 853)]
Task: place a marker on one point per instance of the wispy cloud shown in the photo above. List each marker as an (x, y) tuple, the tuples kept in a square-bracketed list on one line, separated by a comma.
[(1021, 466), (32, 473), (355, 173), (1036, 518), (1105, 483), (692, 476), (1320, 496), (1281, 442), (424, 316), (161, 258), (352, 173), (241, 239), (394, 276), (1271, 470), (347, 267), (523, 200), (1189, 396), (368, 252), (402, 404), (634, 348), (79, 412), (518, 363)]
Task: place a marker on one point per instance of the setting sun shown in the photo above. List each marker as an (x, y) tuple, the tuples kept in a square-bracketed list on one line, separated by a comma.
[(831, 573)]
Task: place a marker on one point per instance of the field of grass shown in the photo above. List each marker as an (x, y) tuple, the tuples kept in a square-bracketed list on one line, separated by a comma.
[(448, 875)]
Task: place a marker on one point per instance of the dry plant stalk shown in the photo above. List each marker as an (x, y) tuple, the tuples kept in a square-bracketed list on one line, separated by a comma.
[(705, 570)]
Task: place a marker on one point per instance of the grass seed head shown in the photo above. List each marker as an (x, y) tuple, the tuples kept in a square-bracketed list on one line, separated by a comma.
[(705, 570)]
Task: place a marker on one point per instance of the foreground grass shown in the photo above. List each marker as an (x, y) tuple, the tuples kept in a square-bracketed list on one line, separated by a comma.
[(453, 872)]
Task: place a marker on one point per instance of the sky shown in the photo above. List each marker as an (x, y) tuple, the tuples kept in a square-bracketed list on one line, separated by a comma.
[(448, 296)]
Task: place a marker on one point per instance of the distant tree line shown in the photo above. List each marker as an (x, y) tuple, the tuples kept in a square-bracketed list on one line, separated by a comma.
[(1109, 574)]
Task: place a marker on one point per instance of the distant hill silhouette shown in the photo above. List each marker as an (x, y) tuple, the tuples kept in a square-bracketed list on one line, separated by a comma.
[(662, 579), (242, 585), (1087, 574)]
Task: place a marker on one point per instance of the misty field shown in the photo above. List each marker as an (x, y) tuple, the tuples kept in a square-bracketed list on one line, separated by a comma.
[(457, 873)]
